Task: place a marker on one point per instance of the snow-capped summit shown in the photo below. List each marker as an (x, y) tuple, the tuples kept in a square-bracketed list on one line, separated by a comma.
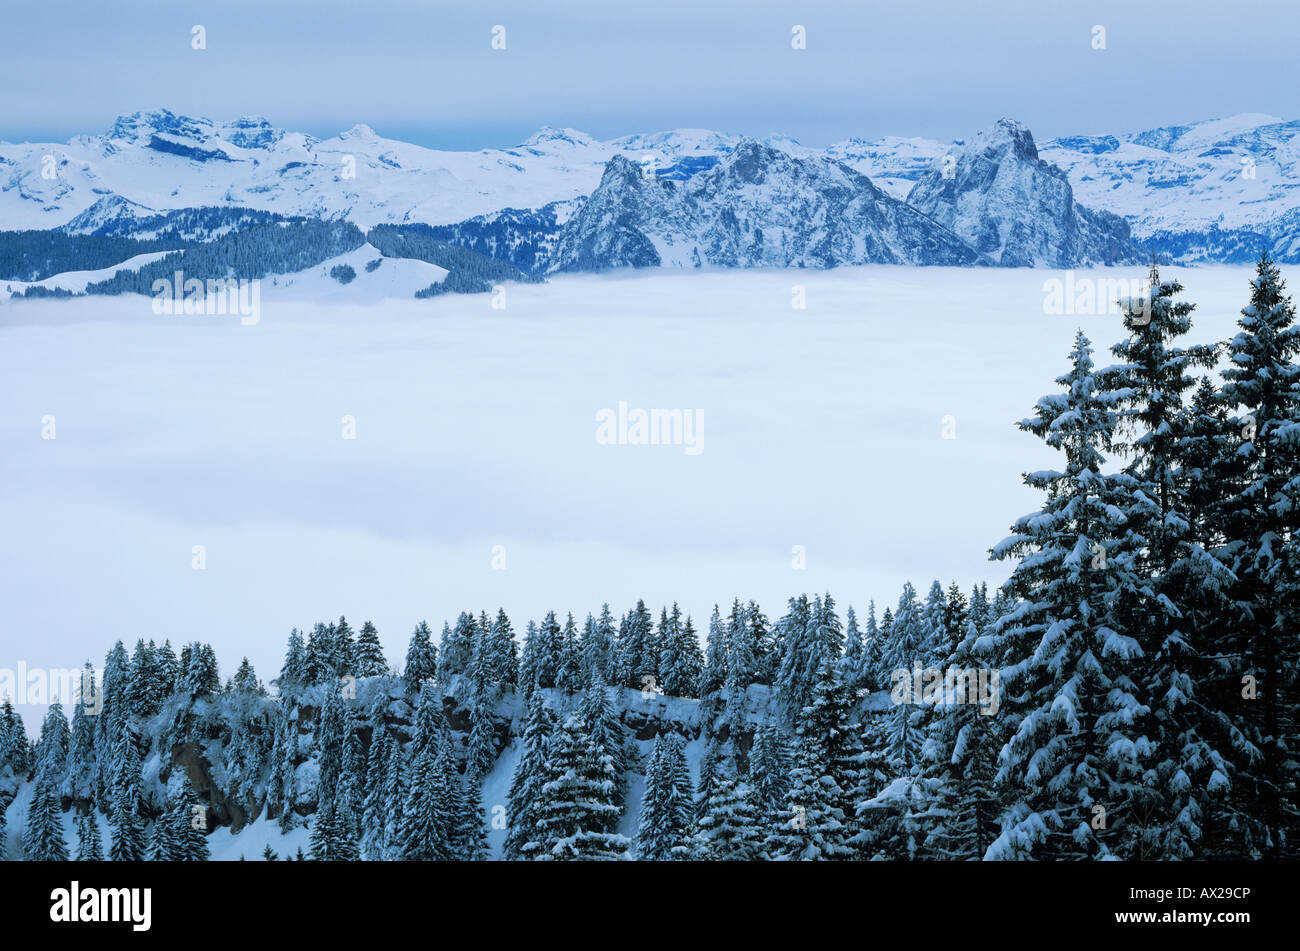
[(103, 215), (1006, 202), (757, 207), (1006, 133), (548, 136), (678, 142), (359, 131)]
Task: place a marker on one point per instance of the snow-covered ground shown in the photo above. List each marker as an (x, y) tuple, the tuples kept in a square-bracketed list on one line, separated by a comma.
[(376, 279), (822, 436), (76, 281)]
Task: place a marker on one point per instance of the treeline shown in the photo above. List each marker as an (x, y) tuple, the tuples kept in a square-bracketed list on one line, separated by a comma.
[(220, 243), (523, 238), (250, 253), (35, 255), (470, 272)]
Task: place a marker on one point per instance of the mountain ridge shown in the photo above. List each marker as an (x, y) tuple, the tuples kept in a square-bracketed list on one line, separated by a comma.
[(1173, 186)]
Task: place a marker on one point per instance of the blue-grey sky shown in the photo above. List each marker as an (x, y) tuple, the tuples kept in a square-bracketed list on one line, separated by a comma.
[(426, 72)]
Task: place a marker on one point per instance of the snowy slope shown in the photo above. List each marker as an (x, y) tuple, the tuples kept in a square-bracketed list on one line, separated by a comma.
[(1238, 172), (390, 279), (892, 162), (76, 281)]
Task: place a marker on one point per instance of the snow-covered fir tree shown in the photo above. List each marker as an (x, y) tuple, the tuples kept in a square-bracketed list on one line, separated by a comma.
[(90, 847), (730, 830), (126, 825), (576, 810), (43, 839), (667, 807), (813, 825), (421, 658), (369, 653), (1079, 749), (526, 784)]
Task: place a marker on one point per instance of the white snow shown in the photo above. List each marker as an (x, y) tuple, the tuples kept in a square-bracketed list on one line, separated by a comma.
[(76, 281)]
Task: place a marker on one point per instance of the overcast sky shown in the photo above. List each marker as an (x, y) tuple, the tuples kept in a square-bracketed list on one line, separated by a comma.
[(426, 72)]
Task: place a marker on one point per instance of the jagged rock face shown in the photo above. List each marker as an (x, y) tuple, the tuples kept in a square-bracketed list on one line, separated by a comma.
[(607, 232), (1019, 211), (223, 809), (758, 207)]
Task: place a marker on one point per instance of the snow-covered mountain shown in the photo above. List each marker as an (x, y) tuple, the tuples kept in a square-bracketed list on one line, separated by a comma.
[(157, 161), (1009, 204), (1214, 190), (757, 207)]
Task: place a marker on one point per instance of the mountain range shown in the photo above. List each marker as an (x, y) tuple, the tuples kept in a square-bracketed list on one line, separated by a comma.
[(1218, 190)]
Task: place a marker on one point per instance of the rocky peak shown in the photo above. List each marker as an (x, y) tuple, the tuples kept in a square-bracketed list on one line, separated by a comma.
[(1007, 135)]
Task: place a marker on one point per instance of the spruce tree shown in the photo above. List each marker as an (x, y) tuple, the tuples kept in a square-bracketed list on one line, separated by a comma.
[(714, 677), (600, 649), (600, 721), (964, 758), (482, 751), (294, 670), (1078, 750), (343, 649), (635, 662), (680, 660), (667, 809), (185, 823), (457, 645), (851, 662), (568, 675), (730, 829), (126, 825), (52, 746), (473, 832), (374, 839), (549, 648), (505, 652), (421, 658), (427, 825), (369, 653), (1259, 519), (813, 826), (1147, 389), (43, 838), (769, 765), (82, 768), (394, 799), (90, 848), (529, 660), (576, 811), (525, 785)]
